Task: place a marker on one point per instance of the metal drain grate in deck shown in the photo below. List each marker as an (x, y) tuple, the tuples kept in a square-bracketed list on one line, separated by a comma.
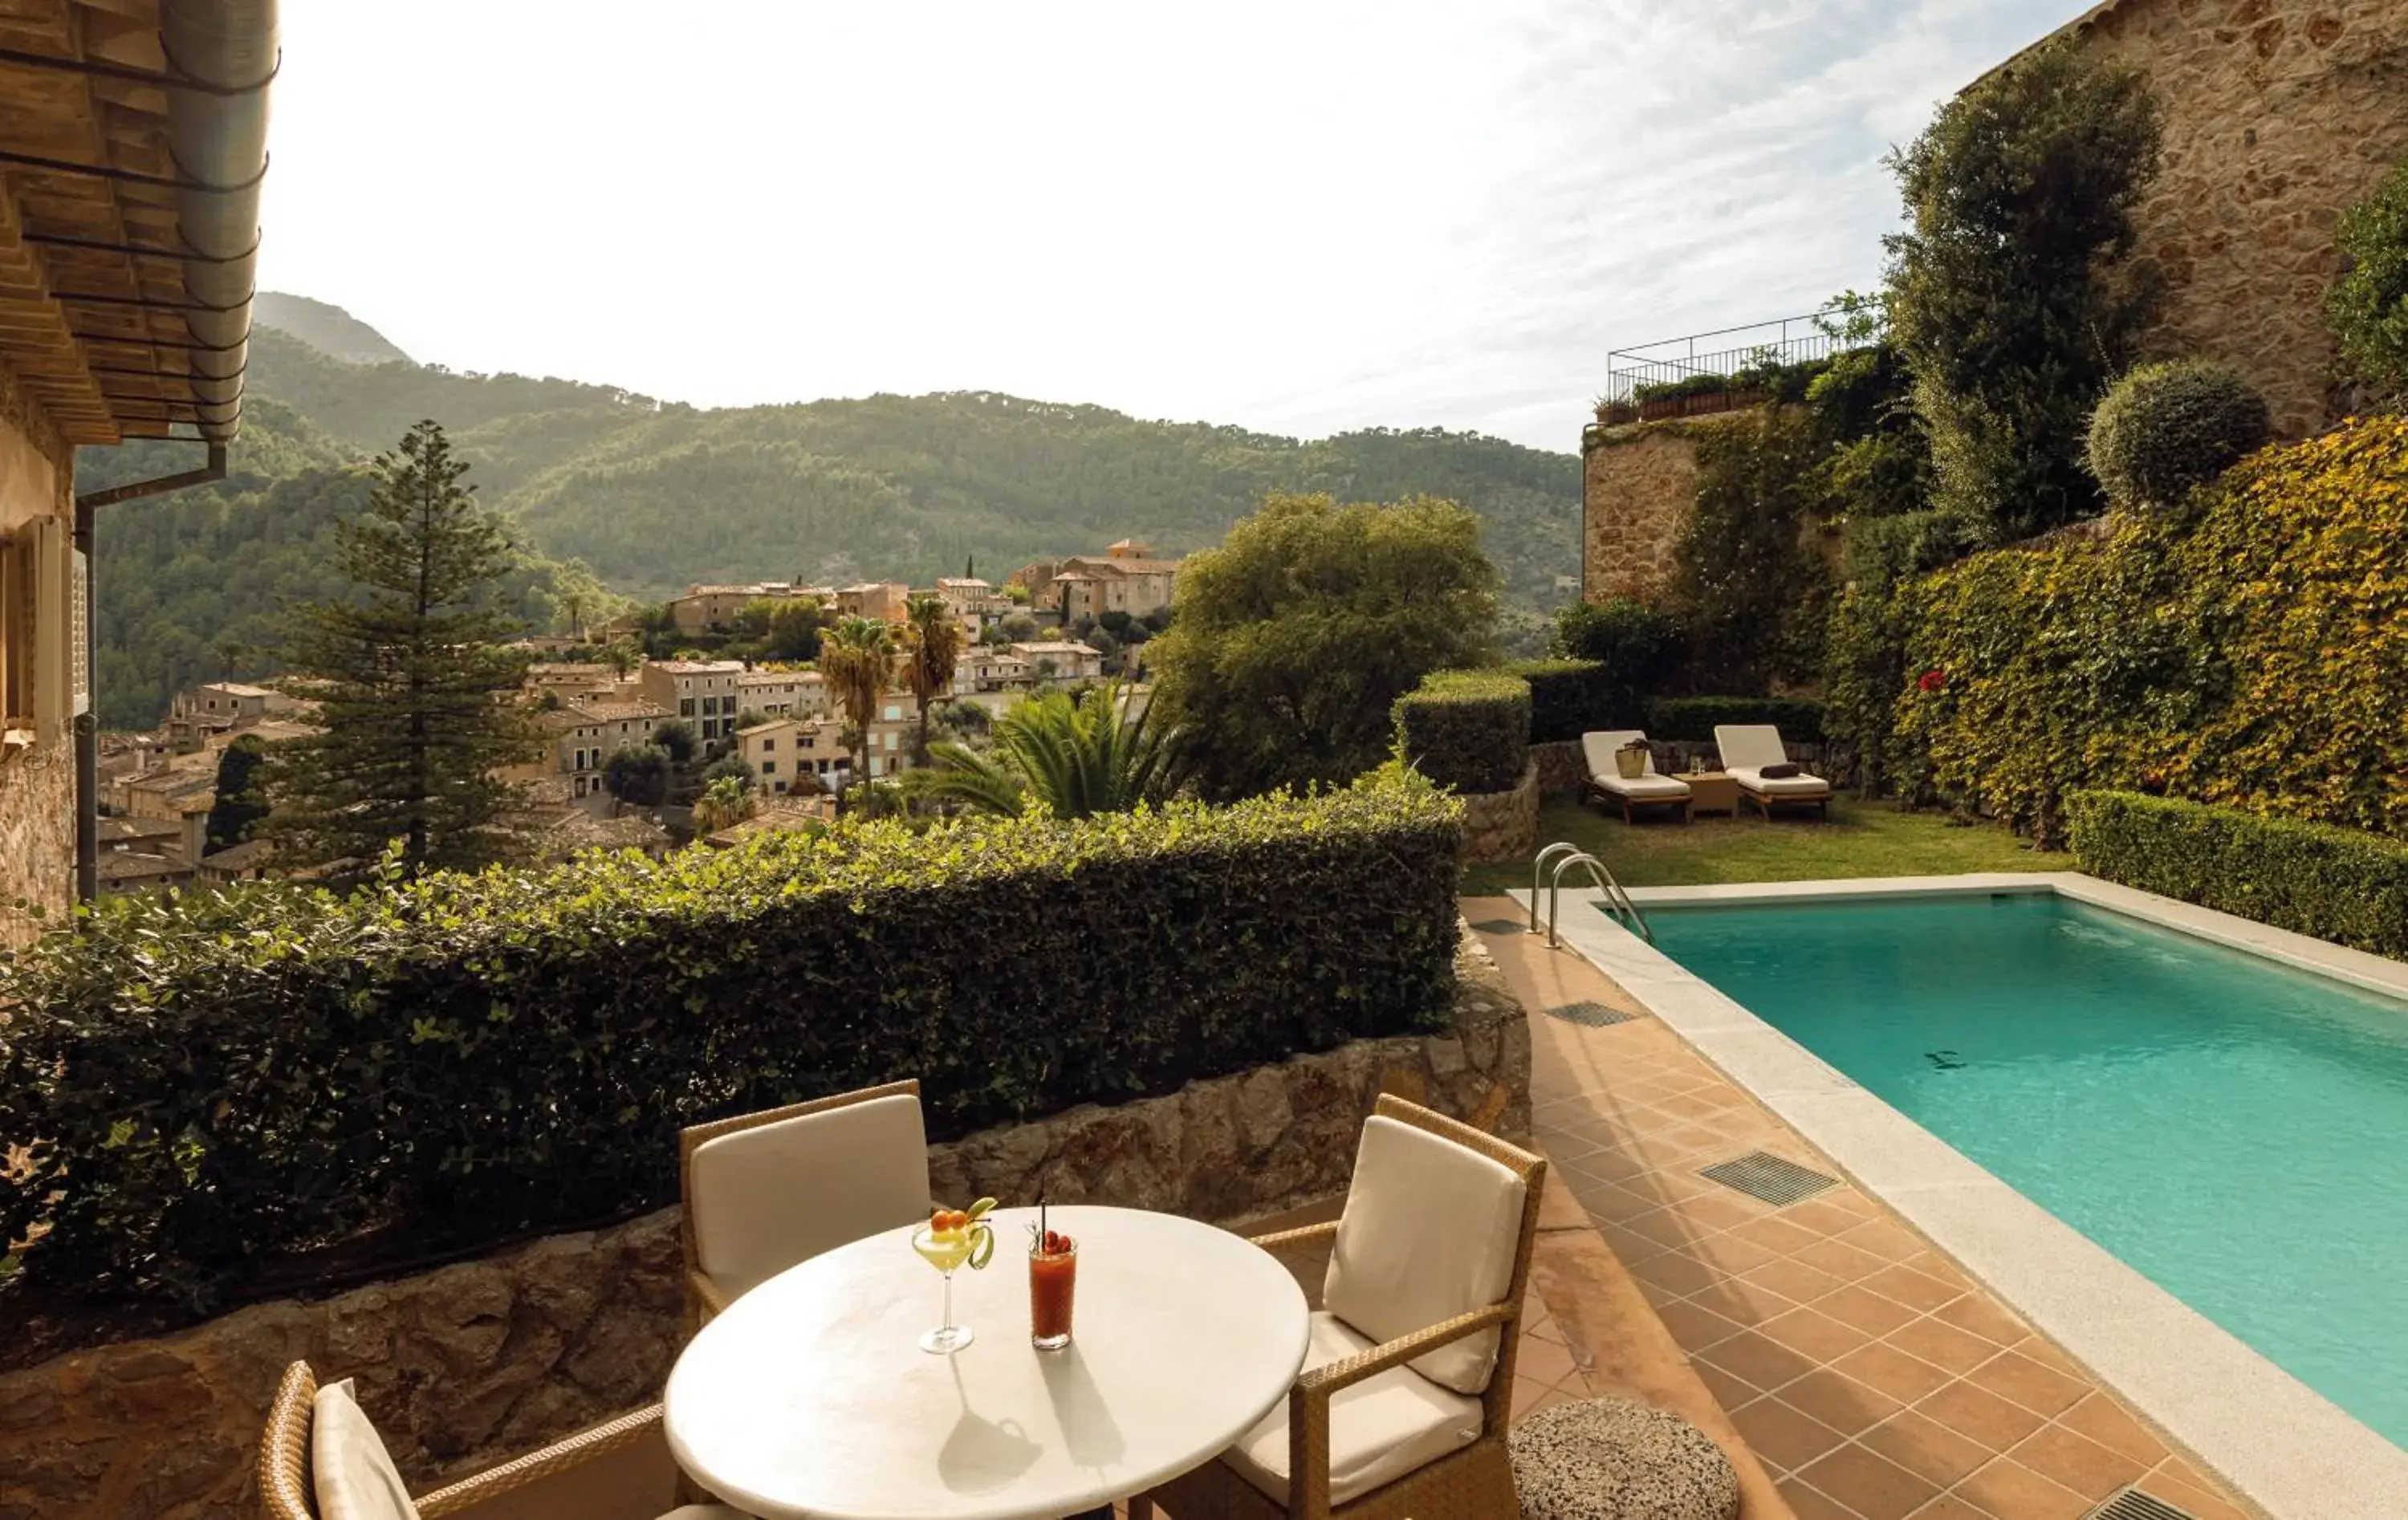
[(1590, 1015), (1768, 1178), (1499, 926), (2132, 1504)]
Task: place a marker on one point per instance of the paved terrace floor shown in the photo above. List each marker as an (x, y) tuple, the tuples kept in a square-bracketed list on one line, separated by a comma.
[(1869, 1375)]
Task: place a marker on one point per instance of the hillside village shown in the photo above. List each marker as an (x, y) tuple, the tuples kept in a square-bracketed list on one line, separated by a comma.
[(617, 686)]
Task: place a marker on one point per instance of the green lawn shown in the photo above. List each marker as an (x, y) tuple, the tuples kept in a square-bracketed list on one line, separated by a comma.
[(1862, 838)]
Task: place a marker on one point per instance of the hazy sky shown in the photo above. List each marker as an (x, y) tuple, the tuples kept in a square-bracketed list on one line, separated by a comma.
[(1299, 216)]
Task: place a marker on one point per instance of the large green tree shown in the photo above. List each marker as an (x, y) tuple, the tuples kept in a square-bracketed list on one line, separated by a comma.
[(1295, 637), (2368, 304), (408, 675), (238, 807), (2007, 296)]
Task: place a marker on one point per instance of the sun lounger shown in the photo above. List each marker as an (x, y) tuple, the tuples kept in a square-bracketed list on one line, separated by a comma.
[(1647, 789), (1748, 750)]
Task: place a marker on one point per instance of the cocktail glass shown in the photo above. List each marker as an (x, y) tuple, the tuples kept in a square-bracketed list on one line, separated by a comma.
[(1053, 1287), (946, 1251)]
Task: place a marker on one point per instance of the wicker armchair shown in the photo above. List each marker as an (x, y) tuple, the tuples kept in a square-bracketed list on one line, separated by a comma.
[(765, 1191), (288, 1488), (1475, 1478)]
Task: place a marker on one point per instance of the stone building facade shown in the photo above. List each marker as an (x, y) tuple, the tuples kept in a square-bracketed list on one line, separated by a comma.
[(2278, 116), (37, 748), (1636, 482)]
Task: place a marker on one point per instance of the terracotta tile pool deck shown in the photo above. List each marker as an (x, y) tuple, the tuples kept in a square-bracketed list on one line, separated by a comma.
[(1868, 1373)]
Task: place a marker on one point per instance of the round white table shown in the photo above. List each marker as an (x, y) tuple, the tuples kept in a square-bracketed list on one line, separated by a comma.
[(811, 1399)]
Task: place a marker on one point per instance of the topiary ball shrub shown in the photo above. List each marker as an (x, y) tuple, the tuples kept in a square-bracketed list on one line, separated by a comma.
[(2165, 428)]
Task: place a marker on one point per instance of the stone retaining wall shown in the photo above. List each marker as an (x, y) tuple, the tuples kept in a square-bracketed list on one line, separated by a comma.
[(1502, 826), (1562, 766), (1637, 482), (472, 1364)]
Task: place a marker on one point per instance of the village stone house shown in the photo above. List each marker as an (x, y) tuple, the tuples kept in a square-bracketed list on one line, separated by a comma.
[(702, 692)]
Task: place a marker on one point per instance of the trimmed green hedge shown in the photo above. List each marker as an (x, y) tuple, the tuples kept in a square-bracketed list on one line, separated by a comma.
[(223, 1089), (1692, 719), (2335, 884), (1567, 697), (1467, 729)]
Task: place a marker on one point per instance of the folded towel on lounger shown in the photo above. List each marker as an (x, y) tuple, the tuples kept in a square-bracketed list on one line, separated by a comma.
[(1777, 772)]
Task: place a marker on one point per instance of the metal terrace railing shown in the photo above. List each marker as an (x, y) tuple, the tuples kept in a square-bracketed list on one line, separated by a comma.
[(1728, 368)]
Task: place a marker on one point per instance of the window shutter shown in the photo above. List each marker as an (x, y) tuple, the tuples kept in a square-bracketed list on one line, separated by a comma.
[(80, 632)]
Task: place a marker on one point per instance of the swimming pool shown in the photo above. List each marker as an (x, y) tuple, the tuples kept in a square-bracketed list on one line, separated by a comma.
[(2232, 1128)]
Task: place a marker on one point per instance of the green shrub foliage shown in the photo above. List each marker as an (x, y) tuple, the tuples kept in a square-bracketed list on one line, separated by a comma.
[(1567, 697), (1694, 718), (2251, 652), (2167, 428), (2339, 885), (2368, 307), (1640, 649), (1467, 729), (215, 1089)]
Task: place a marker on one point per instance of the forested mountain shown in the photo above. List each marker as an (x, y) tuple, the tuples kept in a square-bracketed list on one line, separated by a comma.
[(655, 494), (329, 329), (193, 585)]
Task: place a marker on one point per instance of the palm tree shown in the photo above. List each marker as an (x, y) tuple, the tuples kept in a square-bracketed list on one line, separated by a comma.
[(1074, 759), (857, 657), (724, 802), (622, 657), (932, 642)]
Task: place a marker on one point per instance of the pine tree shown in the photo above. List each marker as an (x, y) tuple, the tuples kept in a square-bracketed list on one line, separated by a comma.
[(406, 671)]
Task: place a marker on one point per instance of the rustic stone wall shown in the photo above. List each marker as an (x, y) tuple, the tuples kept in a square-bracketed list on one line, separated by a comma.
[(472, 1364), (37, 785), (1502, 825), (1562, 766), (2278, 115), (1637, 484)]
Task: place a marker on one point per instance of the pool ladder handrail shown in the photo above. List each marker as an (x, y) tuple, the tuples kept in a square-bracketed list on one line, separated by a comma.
[(1618, 900)]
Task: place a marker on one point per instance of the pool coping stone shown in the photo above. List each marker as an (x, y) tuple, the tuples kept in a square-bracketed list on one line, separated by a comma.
[(2285, 1447)]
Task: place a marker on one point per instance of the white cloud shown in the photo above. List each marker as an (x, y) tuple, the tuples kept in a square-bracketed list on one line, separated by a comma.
[(1295, 216)]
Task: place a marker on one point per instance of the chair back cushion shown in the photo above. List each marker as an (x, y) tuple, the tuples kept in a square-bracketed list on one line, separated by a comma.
[(1429, 1232), (777, 1194), (1749, 746), (1599, 747), (349, 1471)]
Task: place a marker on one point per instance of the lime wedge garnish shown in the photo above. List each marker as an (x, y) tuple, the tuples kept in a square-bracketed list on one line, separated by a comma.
[(981, 1207)]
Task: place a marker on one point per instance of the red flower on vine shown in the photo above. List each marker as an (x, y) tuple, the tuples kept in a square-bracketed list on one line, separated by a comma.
[(1931, 681)]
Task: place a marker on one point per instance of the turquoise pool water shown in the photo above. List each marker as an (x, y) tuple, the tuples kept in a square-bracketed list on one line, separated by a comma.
[(2234, 1129)]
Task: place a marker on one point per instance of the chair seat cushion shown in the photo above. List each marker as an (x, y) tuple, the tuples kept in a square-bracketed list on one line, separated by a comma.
[(351, 1473), (1379, 1429), (1780, 787), (705, 1511), (1647, 787)]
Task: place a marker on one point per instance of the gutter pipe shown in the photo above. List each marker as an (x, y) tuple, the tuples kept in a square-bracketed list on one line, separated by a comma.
[(221, 55)]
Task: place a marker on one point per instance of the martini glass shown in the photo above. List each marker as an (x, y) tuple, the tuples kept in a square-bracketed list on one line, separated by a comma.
[(946, 1251)]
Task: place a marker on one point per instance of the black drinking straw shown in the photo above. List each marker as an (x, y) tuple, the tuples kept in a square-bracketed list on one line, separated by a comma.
[(1042, 1233)]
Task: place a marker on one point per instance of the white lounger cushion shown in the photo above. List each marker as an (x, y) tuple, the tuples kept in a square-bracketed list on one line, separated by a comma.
[(767, 1197), (1800, 785), (1379, 1429), (1600, 748), (1748, 748), (1429, 1233)]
